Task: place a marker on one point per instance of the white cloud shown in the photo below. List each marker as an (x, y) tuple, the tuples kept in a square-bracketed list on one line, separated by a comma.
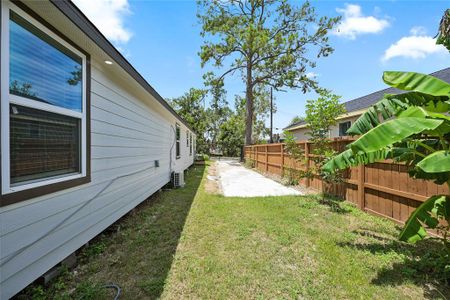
[(416, 46), (108, 16), (354, 23), (418, 30), (312, 75)]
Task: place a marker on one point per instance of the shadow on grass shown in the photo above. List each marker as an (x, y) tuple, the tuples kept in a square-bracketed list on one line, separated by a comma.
[(136, 252), (422, 263), (163, 234), (333, 202)]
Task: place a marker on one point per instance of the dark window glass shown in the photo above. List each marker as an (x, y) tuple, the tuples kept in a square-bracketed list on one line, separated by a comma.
[(42, 69), (343, 127), (43, 144), (190, 144)]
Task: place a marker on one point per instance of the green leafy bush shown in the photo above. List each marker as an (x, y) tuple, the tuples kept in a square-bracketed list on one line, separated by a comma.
[(413, 127)]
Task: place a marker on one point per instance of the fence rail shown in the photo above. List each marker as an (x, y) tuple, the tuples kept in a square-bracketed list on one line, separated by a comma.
[(382, 188)]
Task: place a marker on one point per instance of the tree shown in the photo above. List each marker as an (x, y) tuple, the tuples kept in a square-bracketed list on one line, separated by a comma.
[(321, 115), (413, 127), (297, 154), (217, 114), (443, 36), (261, 112), (296, 119), (266, 41), (231, 136), (23, 89), (190, 107)]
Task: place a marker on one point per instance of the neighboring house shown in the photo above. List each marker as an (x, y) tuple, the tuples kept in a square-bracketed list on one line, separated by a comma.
[(354, 109), (84, 138)]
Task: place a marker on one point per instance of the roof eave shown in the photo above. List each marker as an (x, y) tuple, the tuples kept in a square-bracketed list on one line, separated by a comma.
[(343, 116), (74, 14)]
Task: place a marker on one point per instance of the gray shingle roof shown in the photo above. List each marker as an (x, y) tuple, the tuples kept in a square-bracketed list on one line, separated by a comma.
[(370, 99)]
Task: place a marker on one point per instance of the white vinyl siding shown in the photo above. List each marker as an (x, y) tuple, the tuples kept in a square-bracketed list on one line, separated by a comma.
[(129, 131)]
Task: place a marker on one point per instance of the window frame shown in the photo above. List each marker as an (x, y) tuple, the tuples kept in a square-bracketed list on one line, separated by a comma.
[(187, 138), (177, 141), (342, 123), (11, 193), (190, 144)]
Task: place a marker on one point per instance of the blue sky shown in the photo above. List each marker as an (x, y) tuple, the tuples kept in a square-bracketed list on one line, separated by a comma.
[(161, 39)]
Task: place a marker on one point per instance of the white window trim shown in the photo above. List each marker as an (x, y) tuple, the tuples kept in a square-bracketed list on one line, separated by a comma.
[(6, 99)]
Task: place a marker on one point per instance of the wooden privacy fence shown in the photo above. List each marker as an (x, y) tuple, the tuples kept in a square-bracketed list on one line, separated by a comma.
[(382, 188)]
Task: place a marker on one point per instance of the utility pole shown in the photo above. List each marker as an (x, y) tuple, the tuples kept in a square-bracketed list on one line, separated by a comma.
[(271, 116)]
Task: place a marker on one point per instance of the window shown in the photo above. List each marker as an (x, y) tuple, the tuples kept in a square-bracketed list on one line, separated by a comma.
[(343, 127), (43, 108), (178, 134), (190, 144), (42, 144)]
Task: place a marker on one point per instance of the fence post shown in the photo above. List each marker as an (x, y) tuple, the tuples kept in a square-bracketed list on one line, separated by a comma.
[(282, 159), (307, 180), (267, 159), (361, 191)]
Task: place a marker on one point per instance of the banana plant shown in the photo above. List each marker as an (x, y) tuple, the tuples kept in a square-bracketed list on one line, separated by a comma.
[(411, 127)]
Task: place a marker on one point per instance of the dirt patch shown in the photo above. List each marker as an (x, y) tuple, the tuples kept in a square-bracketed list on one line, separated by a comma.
[(212, 185)]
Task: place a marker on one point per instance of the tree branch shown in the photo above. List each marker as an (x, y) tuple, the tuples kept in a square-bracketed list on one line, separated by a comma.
[(230, 71)]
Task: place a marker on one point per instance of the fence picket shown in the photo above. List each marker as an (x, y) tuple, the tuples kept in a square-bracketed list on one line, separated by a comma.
[(394, 196)]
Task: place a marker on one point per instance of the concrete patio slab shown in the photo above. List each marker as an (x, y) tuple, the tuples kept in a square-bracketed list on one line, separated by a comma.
[(238, 181)]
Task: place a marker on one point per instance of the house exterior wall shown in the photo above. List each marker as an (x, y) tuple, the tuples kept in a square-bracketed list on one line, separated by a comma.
[(300, 134), (129, 131), (334, 131)]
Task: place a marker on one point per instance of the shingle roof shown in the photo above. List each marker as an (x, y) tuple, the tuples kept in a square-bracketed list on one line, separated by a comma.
[(370, 99)]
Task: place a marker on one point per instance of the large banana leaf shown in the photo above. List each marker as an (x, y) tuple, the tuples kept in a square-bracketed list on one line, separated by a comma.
[(442, 207), (411, 81), (441, 106), (436, 162), (392, 105), (348, 159), (391, 132), (438, 178), (413, 230), (420, 112)]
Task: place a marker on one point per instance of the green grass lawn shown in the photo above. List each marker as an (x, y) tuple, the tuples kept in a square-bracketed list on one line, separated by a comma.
[(186, 243)]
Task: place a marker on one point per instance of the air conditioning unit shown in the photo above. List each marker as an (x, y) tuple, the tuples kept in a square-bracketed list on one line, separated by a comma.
[(177, 179)]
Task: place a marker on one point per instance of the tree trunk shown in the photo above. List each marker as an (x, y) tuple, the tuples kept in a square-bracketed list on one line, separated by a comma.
[(248, 107)]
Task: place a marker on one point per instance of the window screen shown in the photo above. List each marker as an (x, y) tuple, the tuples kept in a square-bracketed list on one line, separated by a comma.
[(42, 144)]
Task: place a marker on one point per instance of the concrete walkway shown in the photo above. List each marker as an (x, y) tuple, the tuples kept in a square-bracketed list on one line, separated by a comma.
[(238, 181)]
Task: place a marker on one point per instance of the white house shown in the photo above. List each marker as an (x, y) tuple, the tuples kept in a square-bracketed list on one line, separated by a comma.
[(354, 109), (84, 138)]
